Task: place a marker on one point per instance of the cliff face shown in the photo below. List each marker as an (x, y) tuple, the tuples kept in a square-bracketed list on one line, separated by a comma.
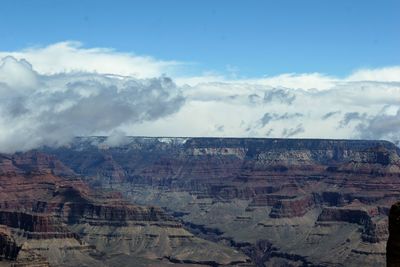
[(293, 194), (283, 202), (283, 173), (49, 215)]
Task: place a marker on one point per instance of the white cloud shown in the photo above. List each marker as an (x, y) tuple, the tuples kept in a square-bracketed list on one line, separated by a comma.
[(116, 138), (306, 81), (55, 108), (388, 74), (17, 74), (50, 94), (73, 57), (239, 109)]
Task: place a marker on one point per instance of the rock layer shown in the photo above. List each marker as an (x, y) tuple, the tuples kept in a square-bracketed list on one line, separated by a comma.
[(49, 215), (321, 202)]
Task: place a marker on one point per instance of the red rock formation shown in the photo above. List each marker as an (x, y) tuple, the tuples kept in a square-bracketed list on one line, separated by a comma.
[(36, 204), (261, 170), (51, 212), (347, 181), (351, 215), (295, 207), (37, 162)]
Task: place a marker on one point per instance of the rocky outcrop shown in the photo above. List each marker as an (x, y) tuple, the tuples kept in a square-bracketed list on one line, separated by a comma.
[(18, 255), (37, 162), (351, 215), (8, 247), (94, 213), (295, 207), (37, 226), (373, 222), (376, 230)]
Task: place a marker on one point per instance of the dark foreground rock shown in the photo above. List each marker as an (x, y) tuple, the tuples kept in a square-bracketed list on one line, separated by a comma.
[(393, 244)]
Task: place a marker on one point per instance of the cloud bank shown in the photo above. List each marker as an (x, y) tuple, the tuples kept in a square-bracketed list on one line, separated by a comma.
[(38, 110), (70, 56), (50, 94)]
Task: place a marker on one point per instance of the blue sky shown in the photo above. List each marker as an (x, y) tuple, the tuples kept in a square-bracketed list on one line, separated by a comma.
[(254, 38), (287, 69)]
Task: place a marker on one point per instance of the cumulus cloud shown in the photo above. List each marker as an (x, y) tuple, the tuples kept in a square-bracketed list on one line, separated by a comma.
[(51, 109), (71, 56), (50, 94), (388, 74), (17, 74), (342, 111)]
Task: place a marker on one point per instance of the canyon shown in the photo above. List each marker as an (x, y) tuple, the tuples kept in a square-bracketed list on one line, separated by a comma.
[(156, 201), (50, 217)]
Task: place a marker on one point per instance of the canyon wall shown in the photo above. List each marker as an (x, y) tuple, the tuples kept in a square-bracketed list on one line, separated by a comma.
[(200, 201), (49, 216), (317, 202)]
